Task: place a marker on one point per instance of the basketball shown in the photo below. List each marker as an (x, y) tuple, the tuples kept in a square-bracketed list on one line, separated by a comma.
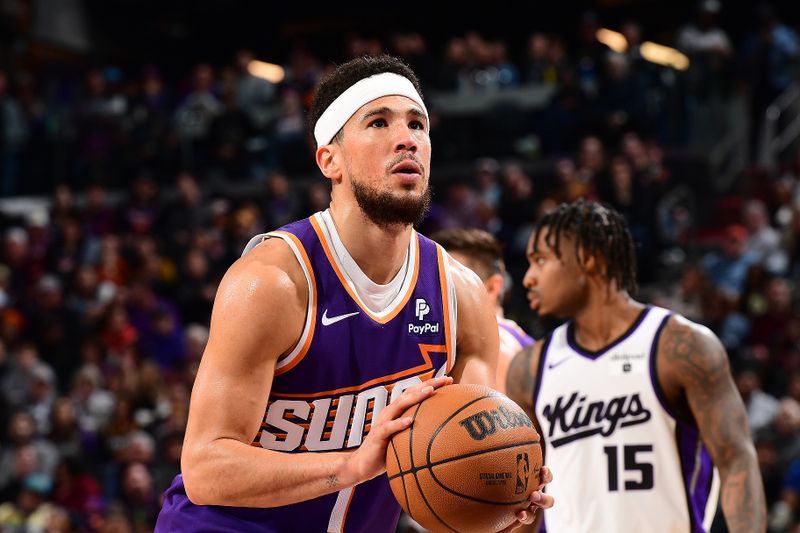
[(468, 462)]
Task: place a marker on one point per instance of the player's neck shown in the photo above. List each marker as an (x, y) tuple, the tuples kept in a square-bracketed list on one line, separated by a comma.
[(606, 316), (379, 251)]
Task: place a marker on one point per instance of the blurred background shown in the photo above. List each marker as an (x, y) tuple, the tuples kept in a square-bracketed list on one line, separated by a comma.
[(143, 143)]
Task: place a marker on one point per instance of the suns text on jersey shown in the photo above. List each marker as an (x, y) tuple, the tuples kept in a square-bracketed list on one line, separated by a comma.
[(329, 423)]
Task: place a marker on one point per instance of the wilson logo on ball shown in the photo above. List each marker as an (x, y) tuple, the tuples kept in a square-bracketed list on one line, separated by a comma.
[(485, 423)]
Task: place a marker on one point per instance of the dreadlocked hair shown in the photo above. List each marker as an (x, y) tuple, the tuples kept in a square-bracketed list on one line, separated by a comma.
[(600, 231)]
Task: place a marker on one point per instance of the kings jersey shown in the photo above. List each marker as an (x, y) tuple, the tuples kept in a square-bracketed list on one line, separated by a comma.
[(623, 460)]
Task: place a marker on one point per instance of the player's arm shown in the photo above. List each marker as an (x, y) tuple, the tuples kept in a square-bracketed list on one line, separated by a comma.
[(477, 340), (258, 315), (692, 364), (504, 358), (520, 384), (521, 378)]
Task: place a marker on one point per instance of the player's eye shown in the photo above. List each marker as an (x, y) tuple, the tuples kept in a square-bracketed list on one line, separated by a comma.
[(539, 261), (417, 125), (378, 123)]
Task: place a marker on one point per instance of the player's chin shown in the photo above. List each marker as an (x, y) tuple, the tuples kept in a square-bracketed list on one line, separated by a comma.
[(414, 182), (406, 193), (548, 311), (538, 307)]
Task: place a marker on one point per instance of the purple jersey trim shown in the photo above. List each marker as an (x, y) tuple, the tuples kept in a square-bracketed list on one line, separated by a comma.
[(687, 440), (522, 338), (577, 348)]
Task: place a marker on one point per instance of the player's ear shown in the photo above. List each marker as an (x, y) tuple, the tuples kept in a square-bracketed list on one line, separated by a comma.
[(327, 157), (495, 286), (590, 263)]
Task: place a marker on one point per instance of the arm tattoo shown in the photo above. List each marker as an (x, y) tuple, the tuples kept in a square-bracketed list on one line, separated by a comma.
[(332, 480), (694, 358), (521, 378)]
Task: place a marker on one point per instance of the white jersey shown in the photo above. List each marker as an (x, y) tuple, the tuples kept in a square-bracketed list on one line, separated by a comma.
[(622, 461)]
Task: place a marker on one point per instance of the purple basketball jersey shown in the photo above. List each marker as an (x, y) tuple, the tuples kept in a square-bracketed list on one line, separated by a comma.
[(348, 365)]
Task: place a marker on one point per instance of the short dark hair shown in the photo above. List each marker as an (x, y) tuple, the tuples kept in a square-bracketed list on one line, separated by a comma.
[(479, 245), (346, 75), (599, 230)]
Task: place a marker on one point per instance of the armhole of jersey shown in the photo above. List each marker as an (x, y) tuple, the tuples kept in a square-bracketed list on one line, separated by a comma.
[(451, 305), (540, 370), (656, 384), (255, 241), (300, 349), (538, 385)]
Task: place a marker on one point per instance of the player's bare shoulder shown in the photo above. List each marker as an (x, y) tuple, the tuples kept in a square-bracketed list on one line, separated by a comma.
[(265, 280), (475, 309), (690, 354), (477, 340), (271, 256)]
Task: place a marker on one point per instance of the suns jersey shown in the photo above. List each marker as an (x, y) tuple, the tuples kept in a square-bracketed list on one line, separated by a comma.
[(622, 460), (349, 363)]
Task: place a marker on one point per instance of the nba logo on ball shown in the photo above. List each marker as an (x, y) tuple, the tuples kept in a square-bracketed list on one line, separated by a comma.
[(523, 471)]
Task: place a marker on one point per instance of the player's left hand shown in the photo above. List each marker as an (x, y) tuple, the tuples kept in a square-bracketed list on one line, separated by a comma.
[(539, 500)]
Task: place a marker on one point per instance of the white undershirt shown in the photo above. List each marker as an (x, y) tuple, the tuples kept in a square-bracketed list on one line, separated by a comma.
[(376, 297)]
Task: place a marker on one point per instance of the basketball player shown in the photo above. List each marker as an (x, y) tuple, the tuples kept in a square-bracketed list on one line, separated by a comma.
[(482, 253), (325, 331), (636, 406)]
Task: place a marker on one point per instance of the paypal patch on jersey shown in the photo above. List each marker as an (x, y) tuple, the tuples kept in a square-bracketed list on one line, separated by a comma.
[(423, 326)]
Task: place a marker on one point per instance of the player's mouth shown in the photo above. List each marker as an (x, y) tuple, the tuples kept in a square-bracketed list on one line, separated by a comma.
[(408, 171), (534, 300)]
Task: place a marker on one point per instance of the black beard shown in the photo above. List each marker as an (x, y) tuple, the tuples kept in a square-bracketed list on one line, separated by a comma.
[(385, 209)]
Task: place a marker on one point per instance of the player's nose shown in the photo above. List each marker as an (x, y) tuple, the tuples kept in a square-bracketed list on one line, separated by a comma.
[(405, 140), (529, 280)]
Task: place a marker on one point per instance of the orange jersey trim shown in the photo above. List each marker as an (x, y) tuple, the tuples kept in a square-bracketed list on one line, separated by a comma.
[(446, 307), (427, 365), (346, 509), (353, 296)]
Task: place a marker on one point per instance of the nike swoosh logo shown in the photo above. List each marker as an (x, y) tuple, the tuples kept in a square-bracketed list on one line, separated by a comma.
[(557, 363), (327, 321)]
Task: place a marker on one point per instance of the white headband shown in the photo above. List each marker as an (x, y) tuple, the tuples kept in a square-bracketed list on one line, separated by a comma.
[(360, 93)]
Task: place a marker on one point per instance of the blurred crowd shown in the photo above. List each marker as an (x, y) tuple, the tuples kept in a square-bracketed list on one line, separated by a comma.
[(152, 185), (102, 123)]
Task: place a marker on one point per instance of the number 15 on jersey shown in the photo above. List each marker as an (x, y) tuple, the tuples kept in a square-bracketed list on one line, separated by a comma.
[(636, 472)]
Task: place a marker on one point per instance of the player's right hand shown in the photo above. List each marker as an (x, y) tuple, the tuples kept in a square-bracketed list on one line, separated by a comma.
[(369, 460), (539, 500)]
